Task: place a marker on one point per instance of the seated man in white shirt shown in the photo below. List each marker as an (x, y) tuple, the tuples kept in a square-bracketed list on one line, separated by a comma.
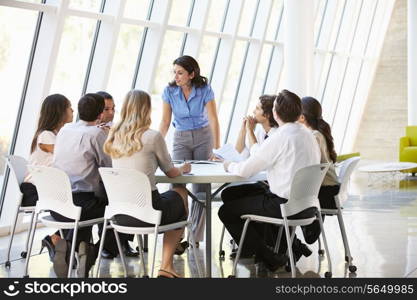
[(289, 149), (79, 153)]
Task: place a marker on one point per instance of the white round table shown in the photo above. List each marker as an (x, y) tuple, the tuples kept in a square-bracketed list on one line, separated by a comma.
[(383, 169)]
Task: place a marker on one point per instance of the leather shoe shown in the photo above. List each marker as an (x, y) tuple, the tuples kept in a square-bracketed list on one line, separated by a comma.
[(274, 262), (243, 255)]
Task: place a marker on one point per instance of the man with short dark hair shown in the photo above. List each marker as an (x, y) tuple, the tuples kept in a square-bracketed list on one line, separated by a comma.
[(289, 149), (109, 109)]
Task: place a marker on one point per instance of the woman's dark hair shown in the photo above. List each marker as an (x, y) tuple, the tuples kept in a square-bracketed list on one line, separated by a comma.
[(52, 115), (267, 103), (190, 65), (288, 106), (312, 113), (90, 107)]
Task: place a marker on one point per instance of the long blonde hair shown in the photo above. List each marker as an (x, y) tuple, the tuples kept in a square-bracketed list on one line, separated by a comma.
[(125, 137)]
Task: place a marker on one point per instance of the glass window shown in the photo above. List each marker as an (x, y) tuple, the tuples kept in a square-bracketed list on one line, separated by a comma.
[(93, 5), (216, 15), (136, 9), (274, 20), (340, 120), (179, 12), (247, 18), (124, 62), (319, 18), (365, 20), (322, 65), (207, 51), (333, 86), (261, 76), (16, 36), (169, 52), (226, 103), (73, 56)]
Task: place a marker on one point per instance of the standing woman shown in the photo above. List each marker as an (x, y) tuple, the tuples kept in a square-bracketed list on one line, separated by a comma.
[(312, 118), (190, 99)]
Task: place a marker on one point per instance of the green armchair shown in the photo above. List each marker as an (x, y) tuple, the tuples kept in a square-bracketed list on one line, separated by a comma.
[(408, 147)]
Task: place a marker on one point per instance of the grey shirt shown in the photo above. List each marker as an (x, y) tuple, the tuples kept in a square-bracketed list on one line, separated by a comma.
[(79, 153), (154, 154)]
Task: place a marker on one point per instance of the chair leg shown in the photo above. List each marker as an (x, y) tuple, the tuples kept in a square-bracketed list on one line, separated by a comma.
[(221, 251), (154, 250), (239, 250), (121, 253), (72, 253), (326, 248), (194, 250), (100, 250), (348, 255), (12, 236), (289, 248), (278, 242), (142, 256), (31, 237), (32, 214)]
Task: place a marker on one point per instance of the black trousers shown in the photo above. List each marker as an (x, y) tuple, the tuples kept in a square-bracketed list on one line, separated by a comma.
[(92, 208), (254, 199), (30, 194)]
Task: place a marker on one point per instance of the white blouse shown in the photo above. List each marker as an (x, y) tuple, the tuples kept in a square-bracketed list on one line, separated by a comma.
[(40, 157)]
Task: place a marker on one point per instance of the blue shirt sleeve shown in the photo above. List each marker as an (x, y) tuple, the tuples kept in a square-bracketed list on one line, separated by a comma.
[(166, 95), (208, 94)]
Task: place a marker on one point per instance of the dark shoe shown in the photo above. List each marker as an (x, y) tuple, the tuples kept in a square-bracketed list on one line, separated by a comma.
[(274, 262), (47, 242), (60, 259), (106, 254), (181, 247), (129, 252), (243, 255), (311, 232)]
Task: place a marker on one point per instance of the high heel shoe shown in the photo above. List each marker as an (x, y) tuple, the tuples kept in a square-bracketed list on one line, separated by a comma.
[(47, 242)]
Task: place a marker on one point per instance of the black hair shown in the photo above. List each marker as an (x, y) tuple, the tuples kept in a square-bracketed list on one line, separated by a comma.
[(267, 104), (90, 107), (312, 112), (105, 95), (190, 65), (288, 106)]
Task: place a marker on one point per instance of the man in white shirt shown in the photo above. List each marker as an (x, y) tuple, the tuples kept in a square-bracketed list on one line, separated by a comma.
[(289, 149)]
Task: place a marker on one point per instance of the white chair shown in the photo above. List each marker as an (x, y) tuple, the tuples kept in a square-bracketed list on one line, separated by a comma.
[(129, 193), (305, 187), (18, 166), (346, 169), (54, 190)]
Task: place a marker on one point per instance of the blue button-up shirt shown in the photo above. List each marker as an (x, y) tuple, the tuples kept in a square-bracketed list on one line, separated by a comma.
[(191, 114)]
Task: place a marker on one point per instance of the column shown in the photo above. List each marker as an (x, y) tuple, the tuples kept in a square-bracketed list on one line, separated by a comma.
[(298, 46), (412, 61)]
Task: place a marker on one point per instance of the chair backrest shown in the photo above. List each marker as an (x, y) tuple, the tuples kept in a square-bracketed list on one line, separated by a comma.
[(411, 133), (18, 165), (54, 191), (129, 193), (346, 170), (305, 187)]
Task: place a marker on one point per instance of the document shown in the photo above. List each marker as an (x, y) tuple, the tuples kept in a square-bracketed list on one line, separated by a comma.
[(228, 152)]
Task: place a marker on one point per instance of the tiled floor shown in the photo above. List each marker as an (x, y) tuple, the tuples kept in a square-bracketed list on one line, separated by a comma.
[(381, 222)]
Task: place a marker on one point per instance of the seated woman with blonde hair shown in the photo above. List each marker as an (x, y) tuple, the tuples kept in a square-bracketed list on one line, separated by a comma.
[(132, 144)]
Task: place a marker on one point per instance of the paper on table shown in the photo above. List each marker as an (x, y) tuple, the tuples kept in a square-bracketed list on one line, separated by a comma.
[(228, 152)]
